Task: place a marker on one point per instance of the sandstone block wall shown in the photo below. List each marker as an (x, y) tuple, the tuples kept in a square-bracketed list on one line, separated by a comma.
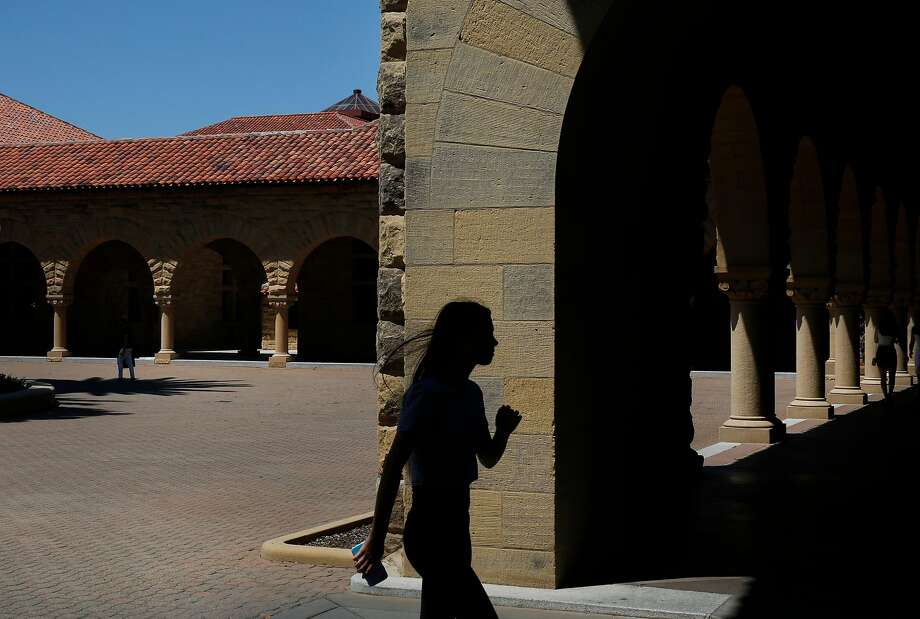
[(486, 87), (197, 288)]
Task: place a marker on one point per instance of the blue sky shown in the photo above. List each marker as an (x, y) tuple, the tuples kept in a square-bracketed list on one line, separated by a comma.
[(138, 68)]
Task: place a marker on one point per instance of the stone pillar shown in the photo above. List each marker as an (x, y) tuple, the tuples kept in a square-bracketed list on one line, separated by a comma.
[(911, 344), (810, 401), (846, 382), (167, 330), (395, 168), (59, 306), (752, 418), (830, 364), (902, 376), (280, 306), (872, 378)]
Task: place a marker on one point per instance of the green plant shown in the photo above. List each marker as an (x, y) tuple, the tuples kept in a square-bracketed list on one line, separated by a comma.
[(9, 384)]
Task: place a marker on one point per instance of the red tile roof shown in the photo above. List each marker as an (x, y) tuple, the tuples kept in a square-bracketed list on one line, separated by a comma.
[(291, 157), (23, 124), (282, 122)]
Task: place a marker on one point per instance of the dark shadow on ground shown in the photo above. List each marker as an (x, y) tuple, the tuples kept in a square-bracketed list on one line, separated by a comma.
[(165, 386), (72, 406), (825, 523)]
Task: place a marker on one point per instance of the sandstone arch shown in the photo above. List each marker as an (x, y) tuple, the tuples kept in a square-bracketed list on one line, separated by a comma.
[(24, 314), (850, 291), (112, 293)]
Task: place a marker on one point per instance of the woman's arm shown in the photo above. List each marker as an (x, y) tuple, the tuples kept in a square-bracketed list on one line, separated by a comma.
[(493, 447), (396, 459)]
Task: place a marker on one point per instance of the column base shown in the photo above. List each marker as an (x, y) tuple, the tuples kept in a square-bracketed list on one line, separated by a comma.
[(164, 357), (903, 379), (912, 369), (810, 409), (766, 434), (58, 354), (830, 369), (871, 385), (278, 361), (848, 395)]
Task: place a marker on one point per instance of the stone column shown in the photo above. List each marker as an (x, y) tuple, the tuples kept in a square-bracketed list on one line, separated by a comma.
[(830, 364), (902, 376), (280, 306), (59, 306), (872, 378), (846, 382), (167, 330), (396, 172), (912, 361), (752, 418), (810, 401)]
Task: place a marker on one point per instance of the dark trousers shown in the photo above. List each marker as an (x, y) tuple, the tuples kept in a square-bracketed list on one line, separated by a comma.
[(437, 543)]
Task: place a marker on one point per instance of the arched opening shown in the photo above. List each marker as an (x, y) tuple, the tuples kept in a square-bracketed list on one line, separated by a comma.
[(335, 316), (218, 307), (113, 294), (25, 316), (631, 184)]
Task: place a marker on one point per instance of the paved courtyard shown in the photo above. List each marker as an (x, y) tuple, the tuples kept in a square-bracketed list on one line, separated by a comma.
[(152, 498)]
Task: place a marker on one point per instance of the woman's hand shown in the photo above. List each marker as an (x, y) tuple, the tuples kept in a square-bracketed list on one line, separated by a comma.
[(367, 556), (507, 420)]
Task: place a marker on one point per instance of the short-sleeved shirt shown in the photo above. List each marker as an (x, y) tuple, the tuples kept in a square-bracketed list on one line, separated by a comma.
[(448, 423)]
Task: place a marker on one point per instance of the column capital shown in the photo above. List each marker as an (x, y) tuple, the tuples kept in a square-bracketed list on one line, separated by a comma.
[(280, 302), (740, 287), (164, 300), (60, 299), (808, 291)]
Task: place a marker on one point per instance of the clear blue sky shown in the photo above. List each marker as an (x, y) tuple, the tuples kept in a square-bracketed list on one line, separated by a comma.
[(137, 68)]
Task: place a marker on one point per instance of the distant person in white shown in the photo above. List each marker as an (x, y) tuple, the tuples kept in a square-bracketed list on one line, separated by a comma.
[(125, 358)]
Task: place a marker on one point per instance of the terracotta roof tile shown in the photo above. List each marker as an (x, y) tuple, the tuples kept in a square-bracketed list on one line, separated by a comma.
[(288, 157), (319, 121), (23, 124)]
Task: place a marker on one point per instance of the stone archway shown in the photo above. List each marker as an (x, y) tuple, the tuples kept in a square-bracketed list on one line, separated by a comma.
[(25, 316), (741, 214), (215, 299), (849, 294), (112, 293), (880, 287), (809, 282), (335, 315), (495, 97)]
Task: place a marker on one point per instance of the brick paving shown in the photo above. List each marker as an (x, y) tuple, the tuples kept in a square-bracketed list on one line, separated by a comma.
[(151, 499)]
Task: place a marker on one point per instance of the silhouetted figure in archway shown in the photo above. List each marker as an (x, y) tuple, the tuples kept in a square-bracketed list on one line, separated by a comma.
[(442, 431), (886, 357)]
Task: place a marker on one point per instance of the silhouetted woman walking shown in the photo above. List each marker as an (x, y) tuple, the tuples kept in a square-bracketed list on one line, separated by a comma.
[(442, 431), (886, 357)]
